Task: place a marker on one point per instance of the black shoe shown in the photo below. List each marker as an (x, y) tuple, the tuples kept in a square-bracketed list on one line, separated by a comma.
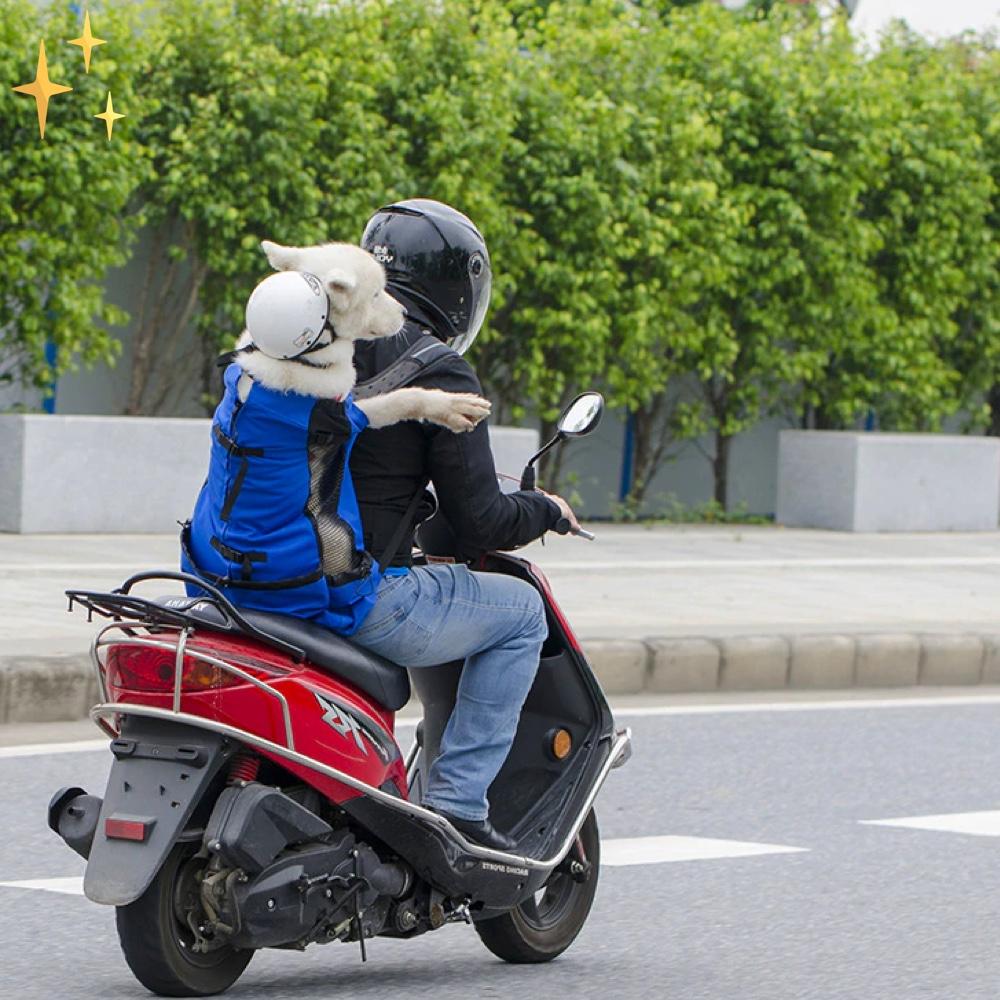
[(482, 831)]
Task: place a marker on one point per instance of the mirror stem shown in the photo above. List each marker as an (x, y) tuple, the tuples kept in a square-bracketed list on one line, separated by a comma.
[(528, 476)]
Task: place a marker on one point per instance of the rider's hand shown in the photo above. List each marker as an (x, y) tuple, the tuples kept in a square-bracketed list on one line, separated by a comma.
[(565, 509)]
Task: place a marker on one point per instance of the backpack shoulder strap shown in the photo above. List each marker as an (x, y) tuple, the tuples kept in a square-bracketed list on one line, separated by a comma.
[(405, 524), (424, 353)]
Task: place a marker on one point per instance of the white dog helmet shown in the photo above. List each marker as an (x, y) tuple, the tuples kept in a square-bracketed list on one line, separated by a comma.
[(288, 315)]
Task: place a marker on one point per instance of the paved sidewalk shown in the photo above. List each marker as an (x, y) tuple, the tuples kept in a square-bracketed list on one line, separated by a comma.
[(746, 596), (633, 582)]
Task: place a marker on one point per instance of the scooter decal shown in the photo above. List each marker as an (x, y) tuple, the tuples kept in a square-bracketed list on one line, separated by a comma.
[(490, 866), (341, 719)]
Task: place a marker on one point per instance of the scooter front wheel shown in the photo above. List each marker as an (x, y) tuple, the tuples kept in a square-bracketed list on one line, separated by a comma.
[(543, 927), (158, 946)]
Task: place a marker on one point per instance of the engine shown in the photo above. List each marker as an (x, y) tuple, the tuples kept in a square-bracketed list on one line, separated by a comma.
[(280, 876)]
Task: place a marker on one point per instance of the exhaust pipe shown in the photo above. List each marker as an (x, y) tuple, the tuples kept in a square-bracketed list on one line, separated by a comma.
[(73, 814)]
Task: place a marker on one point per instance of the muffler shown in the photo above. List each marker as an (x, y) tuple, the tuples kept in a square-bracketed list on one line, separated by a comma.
[(73, 814)]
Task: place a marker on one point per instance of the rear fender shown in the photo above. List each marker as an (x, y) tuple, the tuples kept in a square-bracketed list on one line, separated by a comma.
[(162, 782)]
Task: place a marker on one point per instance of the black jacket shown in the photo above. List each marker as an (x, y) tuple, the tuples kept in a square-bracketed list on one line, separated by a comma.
[(389, 465)]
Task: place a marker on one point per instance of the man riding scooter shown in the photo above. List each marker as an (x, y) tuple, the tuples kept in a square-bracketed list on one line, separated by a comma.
[(259, 797), (438, 266)]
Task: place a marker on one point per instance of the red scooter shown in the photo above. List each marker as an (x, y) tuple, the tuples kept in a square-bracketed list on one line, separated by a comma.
[(259, 799)]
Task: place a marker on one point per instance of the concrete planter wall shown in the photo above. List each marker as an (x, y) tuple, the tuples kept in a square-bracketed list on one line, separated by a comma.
[(127, 474), (851, 481)]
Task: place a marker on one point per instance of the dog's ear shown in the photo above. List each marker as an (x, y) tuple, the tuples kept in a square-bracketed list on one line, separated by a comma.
[(279, 257), (340, 285)]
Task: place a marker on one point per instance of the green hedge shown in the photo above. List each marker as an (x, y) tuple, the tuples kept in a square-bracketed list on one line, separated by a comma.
[(714, 216)]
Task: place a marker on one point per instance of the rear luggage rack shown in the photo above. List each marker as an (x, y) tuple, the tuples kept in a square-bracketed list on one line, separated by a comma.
[(140, 622), (121, 605)]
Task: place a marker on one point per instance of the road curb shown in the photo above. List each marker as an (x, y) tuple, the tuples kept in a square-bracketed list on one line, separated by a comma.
[(46, 688), (777, 662), (62, 688)]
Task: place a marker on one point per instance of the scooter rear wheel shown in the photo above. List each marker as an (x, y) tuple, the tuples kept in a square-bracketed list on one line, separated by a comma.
[(542, 928), (157, 945)]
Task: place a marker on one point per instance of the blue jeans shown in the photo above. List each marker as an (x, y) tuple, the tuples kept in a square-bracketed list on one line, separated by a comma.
[(440, 613)]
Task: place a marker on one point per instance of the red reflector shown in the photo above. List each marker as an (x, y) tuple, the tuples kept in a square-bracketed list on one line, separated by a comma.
[(126, 829)]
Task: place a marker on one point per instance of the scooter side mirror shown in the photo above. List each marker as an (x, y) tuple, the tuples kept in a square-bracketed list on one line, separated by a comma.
[(581, 417)]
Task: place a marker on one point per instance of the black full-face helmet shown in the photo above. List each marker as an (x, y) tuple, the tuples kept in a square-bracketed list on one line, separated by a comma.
[(436, 264)]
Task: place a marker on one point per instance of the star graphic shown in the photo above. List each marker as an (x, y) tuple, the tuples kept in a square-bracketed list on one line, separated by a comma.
[(87, 41), (110, 116), (42, 88)]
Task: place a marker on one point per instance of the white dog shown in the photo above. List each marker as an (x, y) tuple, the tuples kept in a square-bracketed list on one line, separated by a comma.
[(360, 309)]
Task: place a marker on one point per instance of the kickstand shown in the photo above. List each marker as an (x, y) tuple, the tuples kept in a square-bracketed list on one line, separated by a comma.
[(357, 910)]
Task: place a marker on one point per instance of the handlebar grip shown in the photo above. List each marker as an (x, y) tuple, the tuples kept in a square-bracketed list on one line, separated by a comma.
[(562, 527)]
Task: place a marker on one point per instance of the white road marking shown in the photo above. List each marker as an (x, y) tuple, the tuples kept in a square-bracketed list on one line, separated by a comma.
[(45, 749), (978, 824), (845, 704), (842, 562), (71, 885), (659, 850), (614, 854), (639, 712)]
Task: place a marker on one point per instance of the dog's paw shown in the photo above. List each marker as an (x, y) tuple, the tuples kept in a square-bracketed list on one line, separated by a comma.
[(458, 411)]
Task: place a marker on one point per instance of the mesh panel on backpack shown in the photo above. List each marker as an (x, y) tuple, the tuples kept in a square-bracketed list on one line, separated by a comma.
[(341, 560)]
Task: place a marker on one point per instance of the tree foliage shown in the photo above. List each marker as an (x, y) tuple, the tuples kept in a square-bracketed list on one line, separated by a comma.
[(64, 199), (715, 216)]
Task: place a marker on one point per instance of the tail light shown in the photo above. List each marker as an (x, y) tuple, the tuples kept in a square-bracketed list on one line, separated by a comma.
[(139, 668)]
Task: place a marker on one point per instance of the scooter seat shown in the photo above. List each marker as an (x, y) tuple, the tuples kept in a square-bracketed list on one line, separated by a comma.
[(385, 681)]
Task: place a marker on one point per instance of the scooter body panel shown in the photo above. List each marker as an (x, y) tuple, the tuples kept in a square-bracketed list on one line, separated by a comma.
[(537, 797), (328, 718), (441, 862), (536, 792), (541, 797)]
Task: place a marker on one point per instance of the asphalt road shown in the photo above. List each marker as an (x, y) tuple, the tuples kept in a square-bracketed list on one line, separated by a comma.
[(858, 911)]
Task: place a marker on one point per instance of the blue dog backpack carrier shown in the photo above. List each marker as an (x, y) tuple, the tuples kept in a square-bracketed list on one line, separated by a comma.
[(276, 526)]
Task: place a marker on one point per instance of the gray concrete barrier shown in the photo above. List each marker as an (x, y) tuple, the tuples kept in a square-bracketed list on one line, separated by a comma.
[(870, 481), (79, 473), (55, 688)]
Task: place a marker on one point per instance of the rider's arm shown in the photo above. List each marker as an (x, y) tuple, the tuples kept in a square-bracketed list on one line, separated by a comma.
[(464, 476)]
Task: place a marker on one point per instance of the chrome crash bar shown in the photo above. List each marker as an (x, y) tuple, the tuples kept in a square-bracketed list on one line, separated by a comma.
[(620, 748), (181, 650)]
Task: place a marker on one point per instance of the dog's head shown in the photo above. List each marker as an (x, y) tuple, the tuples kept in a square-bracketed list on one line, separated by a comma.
[(360, 307)]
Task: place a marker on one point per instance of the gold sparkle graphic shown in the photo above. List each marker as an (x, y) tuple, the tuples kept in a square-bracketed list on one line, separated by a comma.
[(87, 41), (110, 116), (42, 88)]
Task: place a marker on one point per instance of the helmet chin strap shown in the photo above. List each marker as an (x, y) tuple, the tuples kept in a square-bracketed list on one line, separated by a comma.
[(320, 342)]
